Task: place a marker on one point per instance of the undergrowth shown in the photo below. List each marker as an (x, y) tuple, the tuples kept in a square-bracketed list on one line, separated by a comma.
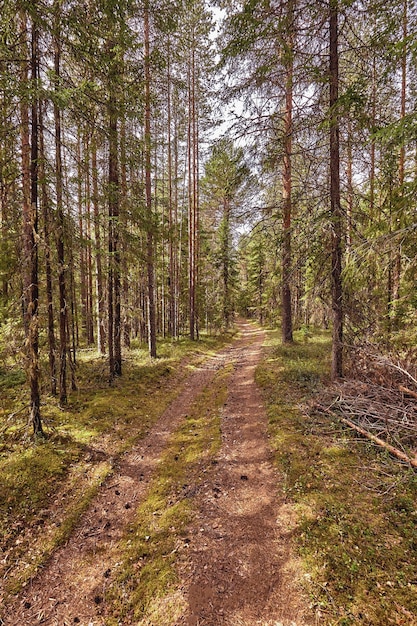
[(64, 470), (357, 507), (144, 589)]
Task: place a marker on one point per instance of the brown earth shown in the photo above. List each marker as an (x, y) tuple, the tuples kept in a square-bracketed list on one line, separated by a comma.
[(239, 569)]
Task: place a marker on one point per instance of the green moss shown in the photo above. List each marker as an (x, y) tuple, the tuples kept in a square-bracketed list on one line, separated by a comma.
[(356, 506), (18, 579)]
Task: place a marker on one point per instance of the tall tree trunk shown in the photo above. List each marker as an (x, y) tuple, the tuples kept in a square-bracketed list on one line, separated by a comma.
[(148, 192), (397, 269), (60, 220), (349, 181), (192, 196), (114, 291), (373, 144), (335, 207), (89, 252), (124, 262), (47, 220), (287, 336), (177, 246), (29, 135), (196, 193), (171, 225), (81, 235), (100, 312), (226, 262)]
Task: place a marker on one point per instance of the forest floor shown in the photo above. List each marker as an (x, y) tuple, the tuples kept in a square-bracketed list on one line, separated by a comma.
[(199, 499), (207, 490)]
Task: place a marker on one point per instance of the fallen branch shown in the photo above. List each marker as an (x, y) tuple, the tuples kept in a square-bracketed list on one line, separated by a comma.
[(380, 442), (407, 391), (387, 363)]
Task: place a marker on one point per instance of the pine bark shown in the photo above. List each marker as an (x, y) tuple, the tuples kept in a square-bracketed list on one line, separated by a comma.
[(397, 265), (47, 221), (89, 251), (60, 219), (335, 207), (287, 336), (226, 262), (148, 191), (192, 139), (171, 224), (29, 137), (100, 304)]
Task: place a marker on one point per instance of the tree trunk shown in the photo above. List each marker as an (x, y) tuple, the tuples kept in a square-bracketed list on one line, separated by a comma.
[(114, 292), (100, 311), (349, 181), (226, 262), (171, 225), (30, 223), (287, 336), (124, 263), (192, 196), (397, 265), (81, 235), (148, 193), (335, 208), (47, 219), (60, 220), (88, 240)]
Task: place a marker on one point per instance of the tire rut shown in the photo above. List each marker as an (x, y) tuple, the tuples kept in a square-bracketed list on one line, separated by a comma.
[(71, 586)]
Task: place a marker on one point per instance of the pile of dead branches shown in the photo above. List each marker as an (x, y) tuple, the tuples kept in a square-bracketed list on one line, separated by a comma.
[(378, 400)]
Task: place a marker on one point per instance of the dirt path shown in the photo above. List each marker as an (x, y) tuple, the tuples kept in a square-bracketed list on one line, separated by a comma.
[(241, 571), (238, 570)]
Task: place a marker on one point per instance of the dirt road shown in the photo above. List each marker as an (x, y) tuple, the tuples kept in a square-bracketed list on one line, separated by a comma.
[(239, 570)]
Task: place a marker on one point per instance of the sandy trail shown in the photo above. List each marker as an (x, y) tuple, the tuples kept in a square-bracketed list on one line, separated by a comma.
[(239, 570)]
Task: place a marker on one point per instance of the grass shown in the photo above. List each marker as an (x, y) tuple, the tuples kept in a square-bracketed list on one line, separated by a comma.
[(144, 590), (83, 439), (357, 507)]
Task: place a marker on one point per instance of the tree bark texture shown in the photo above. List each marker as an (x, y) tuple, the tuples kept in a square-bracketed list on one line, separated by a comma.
[(29, 138), (148, 192), (335, 207), (60, 220), (286, 312)]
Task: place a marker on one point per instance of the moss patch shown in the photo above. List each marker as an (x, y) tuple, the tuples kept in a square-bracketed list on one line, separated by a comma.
[(357, 507)]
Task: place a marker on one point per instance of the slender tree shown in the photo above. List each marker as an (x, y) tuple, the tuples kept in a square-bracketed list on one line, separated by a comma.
[(60, 218), (288, 62), (148, 188), (335, 206)]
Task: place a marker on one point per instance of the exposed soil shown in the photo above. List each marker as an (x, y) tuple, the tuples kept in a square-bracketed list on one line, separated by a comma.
[(239, 569)]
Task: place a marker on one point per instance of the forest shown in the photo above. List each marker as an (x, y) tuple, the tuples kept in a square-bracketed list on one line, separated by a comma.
[(164, 167), (170, 167)]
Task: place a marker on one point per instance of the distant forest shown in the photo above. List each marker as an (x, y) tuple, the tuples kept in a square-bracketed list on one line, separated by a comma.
[(165, 166)]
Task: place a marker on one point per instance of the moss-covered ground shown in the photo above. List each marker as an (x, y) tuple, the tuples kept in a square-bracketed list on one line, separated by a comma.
[(357, 507), (83, 440)]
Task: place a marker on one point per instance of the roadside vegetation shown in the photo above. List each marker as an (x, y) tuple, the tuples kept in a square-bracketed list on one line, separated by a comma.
[(356, 505)]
